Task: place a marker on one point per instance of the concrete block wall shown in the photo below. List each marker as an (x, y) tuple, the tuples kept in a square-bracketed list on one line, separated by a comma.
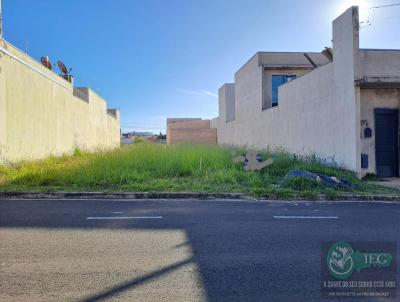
[(177, 120), (40, 116), (192, 131)]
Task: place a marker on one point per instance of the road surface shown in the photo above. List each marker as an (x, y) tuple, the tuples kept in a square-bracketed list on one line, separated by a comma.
[(176, 250)]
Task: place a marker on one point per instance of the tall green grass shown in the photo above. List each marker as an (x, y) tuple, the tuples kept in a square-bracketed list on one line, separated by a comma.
[(153, 167)]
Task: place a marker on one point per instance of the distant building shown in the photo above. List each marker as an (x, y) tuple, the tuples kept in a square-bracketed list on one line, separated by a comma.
[(130, 137), (190, 130)]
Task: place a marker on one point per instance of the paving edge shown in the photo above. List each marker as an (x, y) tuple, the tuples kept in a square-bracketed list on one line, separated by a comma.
[(122, 195), (180, 195)]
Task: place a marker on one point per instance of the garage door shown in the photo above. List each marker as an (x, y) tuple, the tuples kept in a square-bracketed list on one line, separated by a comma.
[(386, 142)]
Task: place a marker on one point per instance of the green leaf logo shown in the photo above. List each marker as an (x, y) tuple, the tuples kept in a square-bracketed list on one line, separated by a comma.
[(339, 260)]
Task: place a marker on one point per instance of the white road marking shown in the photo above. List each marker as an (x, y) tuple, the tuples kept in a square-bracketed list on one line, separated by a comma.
[(116, 212), (306, 217), (124, 218)]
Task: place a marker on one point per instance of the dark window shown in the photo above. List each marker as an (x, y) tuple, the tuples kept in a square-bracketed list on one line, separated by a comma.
[(278, 80)]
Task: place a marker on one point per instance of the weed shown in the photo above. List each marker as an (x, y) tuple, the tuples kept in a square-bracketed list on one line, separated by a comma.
[(171, 168)]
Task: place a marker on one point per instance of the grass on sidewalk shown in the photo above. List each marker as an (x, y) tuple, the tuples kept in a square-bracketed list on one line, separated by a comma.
[(173, 168)]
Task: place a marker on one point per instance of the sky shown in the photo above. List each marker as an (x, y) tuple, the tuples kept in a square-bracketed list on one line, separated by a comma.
[(155, 59)]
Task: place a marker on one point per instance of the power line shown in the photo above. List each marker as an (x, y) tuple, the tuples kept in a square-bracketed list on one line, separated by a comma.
[(382, 6), (371, 14)]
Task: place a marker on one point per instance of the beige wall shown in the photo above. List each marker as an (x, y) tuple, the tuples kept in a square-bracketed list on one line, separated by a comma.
[(378, 63), (321, 112), (214, 123), (226, 95), (317, 113), (304, 123), (41, 117), (370, 100), (195, 131)]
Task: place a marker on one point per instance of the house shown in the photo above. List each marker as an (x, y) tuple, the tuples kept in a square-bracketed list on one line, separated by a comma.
[(341, 105)]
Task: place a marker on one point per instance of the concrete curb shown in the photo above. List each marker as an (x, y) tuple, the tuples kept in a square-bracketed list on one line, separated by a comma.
[(367, 198), (180, 195), (122, 195), (343, 198)]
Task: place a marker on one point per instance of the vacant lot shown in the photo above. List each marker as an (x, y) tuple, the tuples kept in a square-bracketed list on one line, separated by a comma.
[(151, 167)]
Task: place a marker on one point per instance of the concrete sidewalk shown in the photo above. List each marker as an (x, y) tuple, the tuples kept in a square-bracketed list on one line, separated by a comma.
[(393, 183)]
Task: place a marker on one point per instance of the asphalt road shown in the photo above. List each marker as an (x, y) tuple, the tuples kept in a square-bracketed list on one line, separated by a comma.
[(54, 250)]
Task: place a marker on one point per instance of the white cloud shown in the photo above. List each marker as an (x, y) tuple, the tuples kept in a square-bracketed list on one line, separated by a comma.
[(198, 93), (210, 93)]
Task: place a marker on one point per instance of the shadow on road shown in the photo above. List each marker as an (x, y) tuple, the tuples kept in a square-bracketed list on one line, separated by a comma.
[(108, 293), (242, 254)]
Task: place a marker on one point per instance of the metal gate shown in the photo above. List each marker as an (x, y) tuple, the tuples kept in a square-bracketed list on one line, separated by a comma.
[(386, 142)]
